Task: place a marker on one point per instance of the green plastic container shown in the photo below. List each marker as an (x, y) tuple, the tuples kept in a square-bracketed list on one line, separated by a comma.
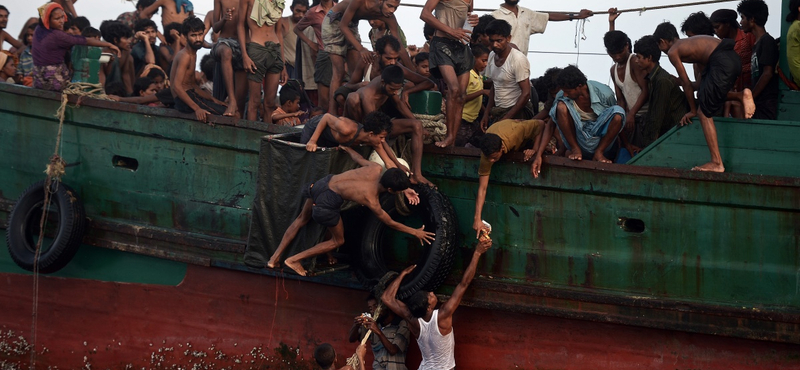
[(86, 63), (426, 102)]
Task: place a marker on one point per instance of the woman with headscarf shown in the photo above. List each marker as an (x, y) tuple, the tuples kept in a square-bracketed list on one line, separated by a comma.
[(51, 44)]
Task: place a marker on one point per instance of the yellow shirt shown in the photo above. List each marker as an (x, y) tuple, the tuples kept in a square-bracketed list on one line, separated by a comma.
[(514, 134), (473, 107), (793, 50)]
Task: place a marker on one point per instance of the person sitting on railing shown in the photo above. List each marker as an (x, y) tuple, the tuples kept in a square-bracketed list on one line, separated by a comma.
[(51, 44), (325, 197)]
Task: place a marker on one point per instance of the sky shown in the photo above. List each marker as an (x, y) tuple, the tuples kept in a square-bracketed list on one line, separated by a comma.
[(555, 47)]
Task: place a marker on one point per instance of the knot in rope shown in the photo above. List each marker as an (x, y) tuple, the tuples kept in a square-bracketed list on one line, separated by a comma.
[(435, 126)]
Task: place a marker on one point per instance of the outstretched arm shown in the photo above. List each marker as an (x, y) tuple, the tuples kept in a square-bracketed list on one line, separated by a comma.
[(544, 139), (557, 17), (449, 307), (421, 234), (389, 298)]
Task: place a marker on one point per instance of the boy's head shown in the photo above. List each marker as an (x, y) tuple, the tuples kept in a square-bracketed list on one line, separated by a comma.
[(142, 4), (665, 34), (481, 55), (116, 88), (423, 64), (754, 14), (499, 33), (550, 81), (392, 80), (394, 180), (723, 21), (290, 100), (388, 48), (117, 33), (91, 33), (144, 86), (697, 24), (388, 7), (378, 125), (479, 32), (420, 303), (325, 356), (193, 29), (647, 52), (158, 77), (207, 65), (74, 26), (299, 9), (794, 11), (171, 31), (491, 147), (27, 39), (571, 80), (618, 46), (149, 28)]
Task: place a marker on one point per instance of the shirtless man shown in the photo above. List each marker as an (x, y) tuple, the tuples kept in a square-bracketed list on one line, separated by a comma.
[(289, 43), (169, 11), (433, 327), (362, 185), (188, 95), (228, 53), (328, 130), (262, 57), (341, 38), (386, 90), (5, 36), (720, 67)]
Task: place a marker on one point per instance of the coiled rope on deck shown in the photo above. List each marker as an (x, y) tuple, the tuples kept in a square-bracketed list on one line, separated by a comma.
[(435, 126), (55, 169)]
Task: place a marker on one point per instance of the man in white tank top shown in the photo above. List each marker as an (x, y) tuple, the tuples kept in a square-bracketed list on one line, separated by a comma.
[(630, 85), (433, 327)]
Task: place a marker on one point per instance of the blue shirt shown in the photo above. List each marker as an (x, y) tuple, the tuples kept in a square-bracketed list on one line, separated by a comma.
[(600, 94)]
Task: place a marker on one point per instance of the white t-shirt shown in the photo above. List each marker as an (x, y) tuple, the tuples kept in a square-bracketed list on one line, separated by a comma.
[(507, 77), (526, 23)]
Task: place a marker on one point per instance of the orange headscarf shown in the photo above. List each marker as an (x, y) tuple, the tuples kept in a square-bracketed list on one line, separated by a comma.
[(45, 11)]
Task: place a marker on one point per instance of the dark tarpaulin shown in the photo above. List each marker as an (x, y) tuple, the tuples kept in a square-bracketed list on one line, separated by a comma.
[(285, 168)]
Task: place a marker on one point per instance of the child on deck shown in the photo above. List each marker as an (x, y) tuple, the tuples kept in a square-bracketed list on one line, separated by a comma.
[(470, 125), (288, 114), (764, 59), (720, 67), (8, 67), (50, 45), (423, 64)]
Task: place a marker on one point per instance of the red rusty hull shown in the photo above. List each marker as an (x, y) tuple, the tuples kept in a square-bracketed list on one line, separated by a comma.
[(112, 325)]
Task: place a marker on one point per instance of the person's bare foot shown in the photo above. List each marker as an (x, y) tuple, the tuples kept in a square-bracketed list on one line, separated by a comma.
[(231, 111), (448, 141), (710, 167), (417, 178), (332, 260), (296, 266), (273, 264), (749, 104), (601, 158), (576, 156)]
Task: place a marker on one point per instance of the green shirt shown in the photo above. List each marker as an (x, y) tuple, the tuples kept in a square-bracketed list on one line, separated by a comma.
[(793, 50), (514, 134), (667, 105)]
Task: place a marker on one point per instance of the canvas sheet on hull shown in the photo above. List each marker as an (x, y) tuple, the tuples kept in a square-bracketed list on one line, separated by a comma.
[(285, 169)]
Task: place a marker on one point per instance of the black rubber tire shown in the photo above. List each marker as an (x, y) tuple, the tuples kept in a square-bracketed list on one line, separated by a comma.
[(435, 265), (23, 226)]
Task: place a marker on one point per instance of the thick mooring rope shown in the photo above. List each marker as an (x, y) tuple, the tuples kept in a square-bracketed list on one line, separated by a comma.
[(435, 126)]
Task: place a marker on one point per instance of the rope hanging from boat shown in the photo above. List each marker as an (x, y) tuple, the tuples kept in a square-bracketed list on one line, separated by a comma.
[(54, 170), (640, 10), (353, 360)]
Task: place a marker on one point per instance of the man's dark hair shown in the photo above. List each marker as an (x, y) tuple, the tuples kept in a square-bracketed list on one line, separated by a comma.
[(155, 73), (793, 12), (728, 16), (571, 77), (666, 31), (498, 27), (113, 31), (144, 24), (168, 35), (377, 122), (490, 144), (4, 8), (80, 22), (421, 57), (141, 4), (698, 24), (207, 65), (192, 24), (324, 355), (483, 22), (418, 303), (479, 50), (141, 84), (395, 179), (116, 88), (647, 47), (616, 41), (387, 40), (288, 95), (392, 75), (428, 31), (91, 32), (299, 2), (755, 10)]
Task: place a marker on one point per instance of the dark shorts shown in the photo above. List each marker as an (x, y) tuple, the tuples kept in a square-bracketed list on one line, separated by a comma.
[(323, 69), (203, 103), (766, 109), (326, 139), (326, 203), (452, 53), (267, 58), (236, 52), (343, 91), (719, 76)]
